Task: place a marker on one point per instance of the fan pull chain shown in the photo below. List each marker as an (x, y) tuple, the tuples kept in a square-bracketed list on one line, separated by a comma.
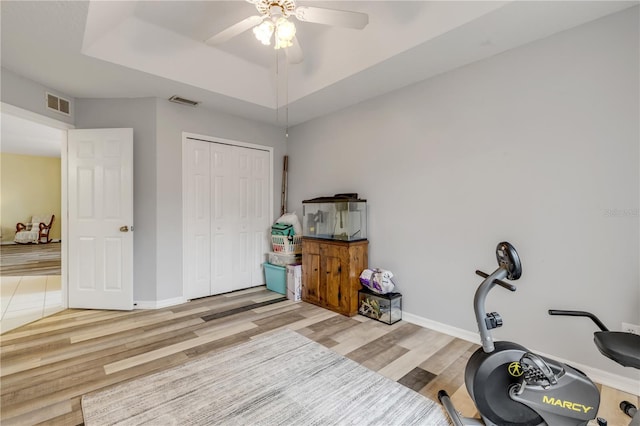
[(286, 94), (277, 87)]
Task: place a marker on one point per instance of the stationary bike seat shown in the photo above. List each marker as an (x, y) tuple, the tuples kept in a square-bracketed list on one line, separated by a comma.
[(623, 348)]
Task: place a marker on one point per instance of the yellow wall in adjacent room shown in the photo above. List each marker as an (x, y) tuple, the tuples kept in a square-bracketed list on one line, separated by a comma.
[(29, 185)]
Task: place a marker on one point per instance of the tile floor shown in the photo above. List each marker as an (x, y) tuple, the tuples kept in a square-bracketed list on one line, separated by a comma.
[(27, 299)]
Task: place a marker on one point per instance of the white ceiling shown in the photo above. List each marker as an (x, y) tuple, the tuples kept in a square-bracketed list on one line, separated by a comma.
[(107, 49), (21, 136)]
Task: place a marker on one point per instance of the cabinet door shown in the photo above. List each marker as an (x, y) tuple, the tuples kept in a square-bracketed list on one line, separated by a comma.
[(334, 278), (311, 278), (331, 282)]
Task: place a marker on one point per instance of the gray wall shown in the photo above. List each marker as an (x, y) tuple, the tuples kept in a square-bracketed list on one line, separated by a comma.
[(538, 146), (173, 119), (157, 129), (157, 132), (139, 114), (27, 94)]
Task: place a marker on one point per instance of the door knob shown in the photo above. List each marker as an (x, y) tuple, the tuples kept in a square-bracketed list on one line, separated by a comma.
[(124, 228)]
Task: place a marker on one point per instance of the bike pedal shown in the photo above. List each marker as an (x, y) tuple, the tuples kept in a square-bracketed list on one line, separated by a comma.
[(536, 371)]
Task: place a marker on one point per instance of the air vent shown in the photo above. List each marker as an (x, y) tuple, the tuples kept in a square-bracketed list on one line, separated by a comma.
[(183, 101), (57, 103)]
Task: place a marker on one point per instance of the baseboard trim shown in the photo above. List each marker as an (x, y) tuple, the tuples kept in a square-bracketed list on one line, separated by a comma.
[(442, 328), (625, 384), (158, 304)]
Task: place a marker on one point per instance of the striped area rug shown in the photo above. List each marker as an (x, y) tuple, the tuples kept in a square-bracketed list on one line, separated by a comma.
[(278, 379)]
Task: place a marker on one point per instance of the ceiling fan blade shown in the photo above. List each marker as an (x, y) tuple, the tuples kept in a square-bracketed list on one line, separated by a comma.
[(294, 52), (338, 18), (235, 30)]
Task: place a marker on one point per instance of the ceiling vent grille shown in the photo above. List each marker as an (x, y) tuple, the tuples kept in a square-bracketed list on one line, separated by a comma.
[(183, 101), (58, 104)]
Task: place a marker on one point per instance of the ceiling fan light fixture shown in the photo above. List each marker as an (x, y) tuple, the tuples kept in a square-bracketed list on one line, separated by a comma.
[(285, 32), (264, 31)]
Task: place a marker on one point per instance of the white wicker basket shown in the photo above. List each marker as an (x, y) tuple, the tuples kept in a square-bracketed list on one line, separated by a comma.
[(286, 244)]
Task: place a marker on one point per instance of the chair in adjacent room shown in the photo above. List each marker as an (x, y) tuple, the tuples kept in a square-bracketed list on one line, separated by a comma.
[(36, 231)]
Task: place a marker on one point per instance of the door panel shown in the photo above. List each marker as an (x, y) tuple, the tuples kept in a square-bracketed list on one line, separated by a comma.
[(311, 277), (100, 180), (333, 283), (197, 248), (242, 250), (261, 216), (223, 219)]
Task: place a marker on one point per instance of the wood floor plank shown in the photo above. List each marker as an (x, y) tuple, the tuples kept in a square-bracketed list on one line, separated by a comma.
[(72, 418), (359, 336), (447, 355), (45, 370), (146, 357), (609, 405), (300, 324), (40, 415), (464, 403), (414, 357), (450, 379), (18, 409), (29, 332), (120, 327), (30, 259), (382, 343)]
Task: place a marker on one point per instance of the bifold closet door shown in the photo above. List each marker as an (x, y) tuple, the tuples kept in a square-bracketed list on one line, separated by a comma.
[(258, 223), (197, 218), (227, 214)]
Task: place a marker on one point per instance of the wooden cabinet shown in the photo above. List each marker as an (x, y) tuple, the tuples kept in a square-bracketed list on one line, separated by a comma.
[(331, 271)]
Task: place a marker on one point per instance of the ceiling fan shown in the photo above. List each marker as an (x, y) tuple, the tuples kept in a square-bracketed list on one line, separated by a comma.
[(272, 20)]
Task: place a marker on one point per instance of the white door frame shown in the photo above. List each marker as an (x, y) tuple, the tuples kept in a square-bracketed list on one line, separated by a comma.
[(51, 122), (214, 139)]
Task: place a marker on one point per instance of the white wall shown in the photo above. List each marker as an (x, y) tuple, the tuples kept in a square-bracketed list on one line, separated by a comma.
[(538, 146), (27, 94), (157, 132)]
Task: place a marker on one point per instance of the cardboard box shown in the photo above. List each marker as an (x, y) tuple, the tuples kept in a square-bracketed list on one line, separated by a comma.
[(294, 282), (284, 259)]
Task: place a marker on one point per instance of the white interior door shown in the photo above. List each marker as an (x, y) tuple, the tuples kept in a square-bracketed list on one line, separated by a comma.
[(100, 198)]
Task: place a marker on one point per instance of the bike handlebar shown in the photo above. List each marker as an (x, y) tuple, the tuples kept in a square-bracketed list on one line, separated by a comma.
[(593, 318), (501, 283)]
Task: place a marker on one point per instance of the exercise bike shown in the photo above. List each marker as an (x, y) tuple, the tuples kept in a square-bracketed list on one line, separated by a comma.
[(512, 386)]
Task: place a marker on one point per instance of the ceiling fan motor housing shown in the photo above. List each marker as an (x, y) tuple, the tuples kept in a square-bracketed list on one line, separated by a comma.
[(265, 6)]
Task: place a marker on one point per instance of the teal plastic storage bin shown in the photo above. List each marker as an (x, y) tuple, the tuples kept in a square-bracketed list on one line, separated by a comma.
[(276, 277)]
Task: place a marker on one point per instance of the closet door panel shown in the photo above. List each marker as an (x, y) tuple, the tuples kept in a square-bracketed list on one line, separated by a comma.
[(222, 219), (243, 247), (198, 220), (261, 218)]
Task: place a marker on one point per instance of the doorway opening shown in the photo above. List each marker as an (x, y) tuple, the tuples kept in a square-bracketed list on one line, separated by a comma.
[(32, 276)]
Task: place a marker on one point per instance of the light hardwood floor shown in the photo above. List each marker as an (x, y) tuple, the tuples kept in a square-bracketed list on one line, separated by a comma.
[(48, 365), (30, 259)]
